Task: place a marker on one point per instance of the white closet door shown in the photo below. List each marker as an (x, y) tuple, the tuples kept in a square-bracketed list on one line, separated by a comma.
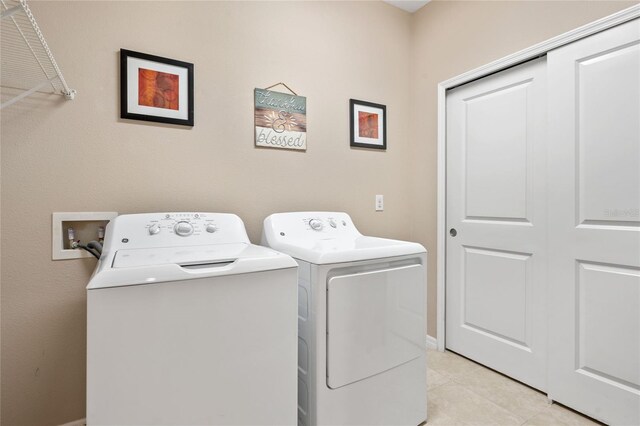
[(496, 202), (594, 225)]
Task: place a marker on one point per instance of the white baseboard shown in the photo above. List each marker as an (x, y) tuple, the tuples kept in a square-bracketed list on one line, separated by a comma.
[(81, 422), (432, 343)]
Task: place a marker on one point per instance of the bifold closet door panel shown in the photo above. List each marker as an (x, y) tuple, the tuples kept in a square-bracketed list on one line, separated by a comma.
[(496, 214), (594, 225)]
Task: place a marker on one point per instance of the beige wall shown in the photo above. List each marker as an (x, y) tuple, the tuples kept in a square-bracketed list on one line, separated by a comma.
[(327, 51), (450, 38)]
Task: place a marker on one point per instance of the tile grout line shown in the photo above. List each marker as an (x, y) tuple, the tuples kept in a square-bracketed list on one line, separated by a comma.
[(436, 387), (504, 408), (474, 367), (486, 400), (477, 366)]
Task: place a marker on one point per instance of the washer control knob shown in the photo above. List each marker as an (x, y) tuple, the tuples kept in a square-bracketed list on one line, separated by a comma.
[(211, 228), (316, 224), (332, 223), (154, 228), (183, 228)]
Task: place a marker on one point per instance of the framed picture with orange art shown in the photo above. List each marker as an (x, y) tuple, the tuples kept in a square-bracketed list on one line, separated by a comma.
[(368, 124), (156, 89)]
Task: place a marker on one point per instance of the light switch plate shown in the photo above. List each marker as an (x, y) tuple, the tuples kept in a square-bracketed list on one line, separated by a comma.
[(379, 203)]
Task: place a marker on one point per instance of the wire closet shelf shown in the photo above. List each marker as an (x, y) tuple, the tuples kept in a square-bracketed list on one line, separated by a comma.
[(27, 64)]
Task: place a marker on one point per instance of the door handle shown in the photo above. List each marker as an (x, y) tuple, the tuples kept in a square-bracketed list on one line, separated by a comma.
[(453, 232)]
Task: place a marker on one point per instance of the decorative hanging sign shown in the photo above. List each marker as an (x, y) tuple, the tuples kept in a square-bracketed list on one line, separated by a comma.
[(280, 119)]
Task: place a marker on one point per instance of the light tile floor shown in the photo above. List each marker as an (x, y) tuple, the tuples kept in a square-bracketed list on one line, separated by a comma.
[(461, 392)]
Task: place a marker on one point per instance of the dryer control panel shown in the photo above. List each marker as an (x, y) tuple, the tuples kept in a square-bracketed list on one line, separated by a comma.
[(324, 238), (149, 230), (310, 226)]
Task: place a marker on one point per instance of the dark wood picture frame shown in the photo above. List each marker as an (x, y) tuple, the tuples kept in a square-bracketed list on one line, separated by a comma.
[(128, 104), (377, 138)]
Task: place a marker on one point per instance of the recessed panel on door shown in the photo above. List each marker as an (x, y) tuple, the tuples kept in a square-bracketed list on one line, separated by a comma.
[(496, 140), (495, 294), (608, 317), (608, 152)]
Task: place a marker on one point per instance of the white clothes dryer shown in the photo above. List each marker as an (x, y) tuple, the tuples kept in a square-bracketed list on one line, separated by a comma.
[(361, 321), (190, 324)]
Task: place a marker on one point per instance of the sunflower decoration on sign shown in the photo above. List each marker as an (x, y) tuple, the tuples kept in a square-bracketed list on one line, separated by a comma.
[(280, 121)]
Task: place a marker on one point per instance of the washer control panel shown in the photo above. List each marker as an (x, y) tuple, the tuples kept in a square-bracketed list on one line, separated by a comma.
[(170, 229), (182, 224)]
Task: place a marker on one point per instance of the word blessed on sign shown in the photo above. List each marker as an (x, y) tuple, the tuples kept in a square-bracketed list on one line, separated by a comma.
[(280, 120)]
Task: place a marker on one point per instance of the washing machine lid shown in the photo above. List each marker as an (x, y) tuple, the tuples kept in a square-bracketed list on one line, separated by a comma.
[(328, 237), (184, 256), (155, 265)]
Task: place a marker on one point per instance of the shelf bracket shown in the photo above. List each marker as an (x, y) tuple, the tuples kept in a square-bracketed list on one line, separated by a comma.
[(20, 20)]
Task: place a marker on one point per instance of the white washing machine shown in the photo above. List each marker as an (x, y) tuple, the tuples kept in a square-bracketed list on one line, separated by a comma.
[(361, 321), (190, 324)]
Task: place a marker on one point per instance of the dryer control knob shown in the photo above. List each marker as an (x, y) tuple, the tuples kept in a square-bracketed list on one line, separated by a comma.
[(211, 228), (154, 228), (184, 229), (316, 224)]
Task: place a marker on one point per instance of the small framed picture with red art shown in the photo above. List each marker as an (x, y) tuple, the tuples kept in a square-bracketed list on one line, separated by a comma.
[(156, 89), (368, 124)]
